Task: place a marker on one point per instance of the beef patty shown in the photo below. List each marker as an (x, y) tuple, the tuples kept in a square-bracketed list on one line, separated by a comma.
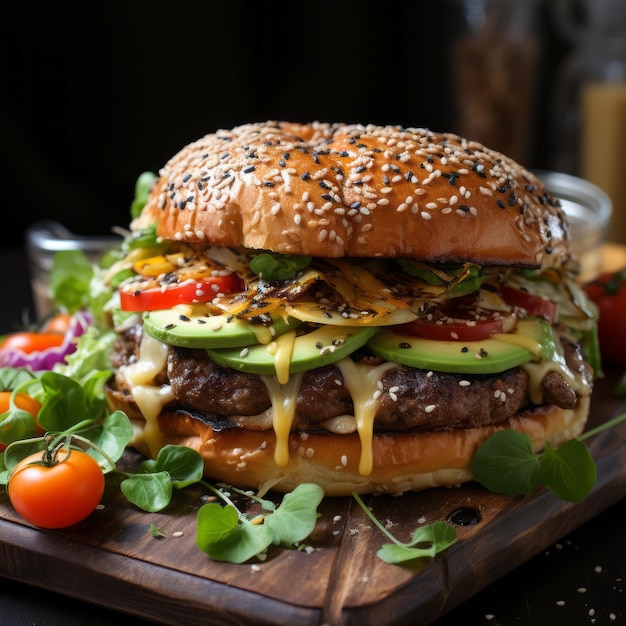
[(409, 398)]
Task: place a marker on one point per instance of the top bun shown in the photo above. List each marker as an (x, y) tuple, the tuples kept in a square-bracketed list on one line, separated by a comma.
[(333, 190)]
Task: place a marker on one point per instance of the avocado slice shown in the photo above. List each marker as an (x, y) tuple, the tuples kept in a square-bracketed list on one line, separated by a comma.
[(197, 328), (326, 344), (532, 340)]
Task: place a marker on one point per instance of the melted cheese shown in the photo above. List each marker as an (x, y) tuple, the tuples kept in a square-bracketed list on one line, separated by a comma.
[(537, 371), (150, 398), (363, 383), (282, 350), (283, 398), (523, 341)]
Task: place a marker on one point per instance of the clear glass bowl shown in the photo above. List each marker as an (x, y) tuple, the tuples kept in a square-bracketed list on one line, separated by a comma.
[(588, 209)]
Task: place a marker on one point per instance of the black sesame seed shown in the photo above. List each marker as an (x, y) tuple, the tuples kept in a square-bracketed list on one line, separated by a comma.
[(170, 325), (500, 204), (324, 185), (268, 183), (183, 318), (464, 349), (404, 345), (250, 168), (186, 177), (327, 196), (286, 156), (305, 176)]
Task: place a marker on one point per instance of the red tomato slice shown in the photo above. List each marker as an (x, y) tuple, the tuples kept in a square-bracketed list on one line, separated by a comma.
[(29, 342), (461, 319), (156, 298), (533, 305), (453, 329)]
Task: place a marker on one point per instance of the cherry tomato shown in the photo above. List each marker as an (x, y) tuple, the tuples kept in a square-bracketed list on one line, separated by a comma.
[(31, 342), (58, 323), (57, 495), (608, 291), (156, 298), (459, 320), (24, 402), (533, 305)]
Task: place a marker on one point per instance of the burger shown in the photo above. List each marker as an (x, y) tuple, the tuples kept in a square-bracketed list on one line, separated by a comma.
[(355, 306)]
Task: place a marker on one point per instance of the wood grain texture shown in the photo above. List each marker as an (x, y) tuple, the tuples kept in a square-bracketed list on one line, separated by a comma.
[(111, 559)]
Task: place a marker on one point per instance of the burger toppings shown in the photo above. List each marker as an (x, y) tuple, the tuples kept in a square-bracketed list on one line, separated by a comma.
[(376, 286)]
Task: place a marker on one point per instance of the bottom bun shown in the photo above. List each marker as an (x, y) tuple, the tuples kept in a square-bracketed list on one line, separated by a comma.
[(401, 461)]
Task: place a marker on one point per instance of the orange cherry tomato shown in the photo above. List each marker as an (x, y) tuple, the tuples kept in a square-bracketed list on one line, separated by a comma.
[(29, 342), (58, 323), (24, 402), (56, 495)]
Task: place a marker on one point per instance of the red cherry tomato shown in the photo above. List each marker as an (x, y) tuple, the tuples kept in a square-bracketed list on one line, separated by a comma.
[(31, 342), (533, 305), (459, 320), (57, 495), (608, 291), (24, 402), (156, 298)]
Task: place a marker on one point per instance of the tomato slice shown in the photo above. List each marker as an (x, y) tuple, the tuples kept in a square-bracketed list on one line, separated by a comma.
[(459, 320), (132, 298), (28, 342), (453, 329), (533, 305)]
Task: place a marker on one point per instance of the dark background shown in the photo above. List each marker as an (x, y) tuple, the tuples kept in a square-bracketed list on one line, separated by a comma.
[(95, 94)]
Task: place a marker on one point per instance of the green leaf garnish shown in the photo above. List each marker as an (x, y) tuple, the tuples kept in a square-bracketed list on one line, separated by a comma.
[(505, 463), (143, 186), (225, 534), (569, 470), (70, 278), (271, 267), (458, 279), (426, 542)]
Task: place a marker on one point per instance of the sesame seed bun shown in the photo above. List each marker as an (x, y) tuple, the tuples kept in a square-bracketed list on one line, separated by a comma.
[(334, 190)]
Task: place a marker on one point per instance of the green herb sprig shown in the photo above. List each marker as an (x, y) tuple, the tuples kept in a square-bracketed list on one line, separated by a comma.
[(426, 541)]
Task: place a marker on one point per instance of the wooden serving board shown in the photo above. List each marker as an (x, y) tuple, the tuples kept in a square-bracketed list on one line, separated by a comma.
[(111, 559)]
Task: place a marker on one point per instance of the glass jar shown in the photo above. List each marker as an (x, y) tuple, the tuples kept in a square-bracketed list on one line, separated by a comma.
[(589, 116), (493, 67)]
